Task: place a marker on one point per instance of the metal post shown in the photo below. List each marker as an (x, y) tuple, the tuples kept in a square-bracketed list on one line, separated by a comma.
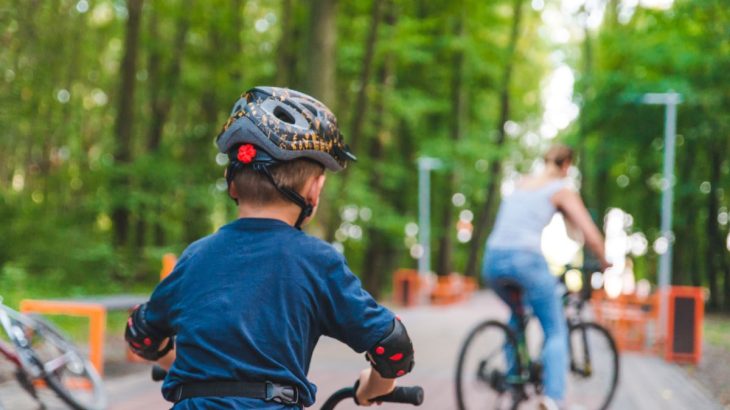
[(670, 137), (670, 100), (425, 165)]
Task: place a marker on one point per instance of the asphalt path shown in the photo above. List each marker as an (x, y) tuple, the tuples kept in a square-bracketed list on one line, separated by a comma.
[(645, 382)]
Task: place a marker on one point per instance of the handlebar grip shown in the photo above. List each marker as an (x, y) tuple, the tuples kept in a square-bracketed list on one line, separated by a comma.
[(158, 373), (408, 395)]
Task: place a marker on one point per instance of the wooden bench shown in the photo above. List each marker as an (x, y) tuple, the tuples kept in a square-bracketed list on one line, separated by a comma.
[(452, 288)]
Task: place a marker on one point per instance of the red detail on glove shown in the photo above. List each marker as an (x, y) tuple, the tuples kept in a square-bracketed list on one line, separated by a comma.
[(147, 341), (396, 357), (400, 373), (246, 153), (379, 350), (137, 345), (129, 322)]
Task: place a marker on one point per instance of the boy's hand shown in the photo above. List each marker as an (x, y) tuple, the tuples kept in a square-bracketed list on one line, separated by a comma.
[(372, 384), (166, 361)]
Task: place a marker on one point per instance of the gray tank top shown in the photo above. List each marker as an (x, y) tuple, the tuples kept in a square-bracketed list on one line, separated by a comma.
[(522, 216)]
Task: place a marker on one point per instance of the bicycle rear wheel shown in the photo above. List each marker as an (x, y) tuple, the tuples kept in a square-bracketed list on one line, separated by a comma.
[(594, 366), (64, 369), (483, 376)]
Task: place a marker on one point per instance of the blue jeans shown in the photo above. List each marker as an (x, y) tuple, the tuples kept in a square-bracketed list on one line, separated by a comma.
[(530, 270)]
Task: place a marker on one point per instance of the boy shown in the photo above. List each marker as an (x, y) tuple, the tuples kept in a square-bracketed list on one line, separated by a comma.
[(247, 304)]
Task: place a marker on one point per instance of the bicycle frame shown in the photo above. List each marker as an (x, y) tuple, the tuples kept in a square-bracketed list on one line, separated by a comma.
[(5, 349), (9, 354)]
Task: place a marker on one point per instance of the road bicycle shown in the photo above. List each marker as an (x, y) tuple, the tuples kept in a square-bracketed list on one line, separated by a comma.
[(45, 359), (402, 394), (496, 370)]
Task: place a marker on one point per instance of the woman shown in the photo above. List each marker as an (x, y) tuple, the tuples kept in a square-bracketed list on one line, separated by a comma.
[(513, 252)]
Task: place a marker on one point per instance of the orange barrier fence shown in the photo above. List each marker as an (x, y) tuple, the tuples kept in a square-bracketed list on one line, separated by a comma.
[(635, 324), (95, 309), (631, 319)]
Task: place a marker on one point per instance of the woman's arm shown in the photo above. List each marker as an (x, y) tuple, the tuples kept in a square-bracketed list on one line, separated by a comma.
[(571, 205)]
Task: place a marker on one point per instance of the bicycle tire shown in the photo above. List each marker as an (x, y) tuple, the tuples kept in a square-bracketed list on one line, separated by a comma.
[(593, 339), (86, 390), (491, 381)]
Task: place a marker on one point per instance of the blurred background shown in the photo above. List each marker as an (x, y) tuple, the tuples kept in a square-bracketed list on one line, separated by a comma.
[(109, 111)]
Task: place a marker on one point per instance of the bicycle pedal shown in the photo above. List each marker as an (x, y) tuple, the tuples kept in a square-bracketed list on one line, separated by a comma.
[(498, 381)]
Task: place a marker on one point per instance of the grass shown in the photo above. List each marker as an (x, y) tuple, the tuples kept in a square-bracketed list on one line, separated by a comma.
[(717, 330)]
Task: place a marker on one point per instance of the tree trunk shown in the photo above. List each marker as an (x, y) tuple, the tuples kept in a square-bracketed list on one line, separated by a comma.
[(321, 78), (321, 81), (360, 111), (286, 54), (163, 85), (446, 241), (716, 239), (713, 232), (379, 254), (124, 122), (484, 220)]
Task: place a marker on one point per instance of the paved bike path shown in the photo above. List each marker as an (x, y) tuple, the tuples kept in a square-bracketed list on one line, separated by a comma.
[(645, 382)]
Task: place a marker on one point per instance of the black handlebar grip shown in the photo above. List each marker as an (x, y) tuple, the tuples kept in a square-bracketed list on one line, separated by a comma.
[(158, 373), (408, 395)]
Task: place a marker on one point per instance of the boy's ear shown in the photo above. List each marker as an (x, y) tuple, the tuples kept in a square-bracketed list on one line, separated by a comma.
[(232, 191), (315, 190)]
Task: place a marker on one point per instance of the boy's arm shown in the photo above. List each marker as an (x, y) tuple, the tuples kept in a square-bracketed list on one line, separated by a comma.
[(353, 317), (391, 357), (149, 329)]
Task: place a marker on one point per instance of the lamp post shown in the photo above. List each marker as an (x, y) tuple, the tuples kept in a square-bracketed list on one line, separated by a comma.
[(425, 165), (670, 100)]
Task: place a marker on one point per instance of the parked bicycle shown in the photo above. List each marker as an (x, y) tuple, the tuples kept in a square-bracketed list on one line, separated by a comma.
[(496, 370), (402, 394), (44, 358)]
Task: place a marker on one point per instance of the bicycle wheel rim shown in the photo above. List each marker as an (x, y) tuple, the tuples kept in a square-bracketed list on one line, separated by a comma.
[(65, 371), (594, 367), (483, 376)]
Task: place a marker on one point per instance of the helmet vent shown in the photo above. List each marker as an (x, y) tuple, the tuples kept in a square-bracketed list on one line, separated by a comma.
[(310, 108), (283, 115)]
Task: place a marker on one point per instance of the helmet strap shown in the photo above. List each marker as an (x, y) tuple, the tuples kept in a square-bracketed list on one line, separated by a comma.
[(233, 166), (290, 194)]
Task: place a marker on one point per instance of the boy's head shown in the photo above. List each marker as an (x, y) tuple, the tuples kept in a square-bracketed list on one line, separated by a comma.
[(276, 141), (253, 188)]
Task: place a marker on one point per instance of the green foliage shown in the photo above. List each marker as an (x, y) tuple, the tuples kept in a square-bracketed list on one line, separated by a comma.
[(682, 49)]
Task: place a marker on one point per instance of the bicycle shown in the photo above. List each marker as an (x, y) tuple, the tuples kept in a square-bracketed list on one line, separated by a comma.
[(44, 357), (488, 373), (402, 394)]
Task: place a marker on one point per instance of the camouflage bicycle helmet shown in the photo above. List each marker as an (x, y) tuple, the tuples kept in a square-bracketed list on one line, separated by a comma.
[(287, 125), (269, 125)]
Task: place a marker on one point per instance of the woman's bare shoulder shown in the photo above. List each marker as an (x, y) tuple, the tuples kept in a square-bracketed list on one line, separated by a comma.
[(531, 183)]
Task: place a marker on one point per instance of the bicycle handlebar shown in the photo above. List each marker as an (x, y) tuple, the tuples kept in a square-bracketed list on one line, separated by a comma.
[(158, 373), (402, 394)]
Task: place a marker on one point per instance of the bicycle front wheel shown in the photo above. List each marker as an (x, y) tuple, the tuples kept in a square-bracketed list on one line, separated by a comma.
[(487, 374), (64, 369), (594, 366)]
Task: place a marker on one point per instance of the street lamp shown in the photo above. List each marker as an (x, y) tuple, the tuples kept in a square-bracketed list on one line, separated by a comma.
[(425, 165), (670, 100)]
